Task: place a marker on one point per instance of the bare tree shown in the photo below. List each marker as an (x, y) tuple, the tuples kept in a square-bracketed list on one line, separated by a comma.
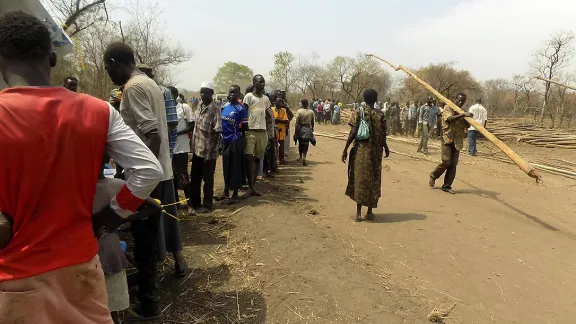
[(499, 96), (79, 15), (443, 77), (284, 71), (143, 34), (358, 74), (551, 59)]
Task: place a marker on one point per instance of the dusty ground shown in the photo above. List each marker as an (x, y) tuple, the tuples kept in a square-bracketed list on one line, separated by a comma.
[(501, 248)]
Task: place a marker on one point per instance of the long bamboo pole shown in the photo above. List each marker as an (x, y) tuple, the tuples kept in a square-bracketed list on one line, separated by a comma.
[(525, 166), (555, 82)]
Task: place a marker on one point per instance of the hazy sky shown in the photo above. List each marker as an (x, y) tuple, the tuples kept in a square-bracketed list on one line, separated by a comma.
[(491, 38)]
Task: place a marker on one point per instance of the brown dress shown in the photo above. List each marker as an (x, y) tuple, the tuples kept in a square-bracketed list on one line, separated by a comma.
[(365, 160)]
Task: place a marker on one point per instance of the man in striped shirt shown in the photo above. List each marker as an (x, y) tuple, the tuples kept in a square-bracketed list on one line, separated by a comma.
[(170, 103)]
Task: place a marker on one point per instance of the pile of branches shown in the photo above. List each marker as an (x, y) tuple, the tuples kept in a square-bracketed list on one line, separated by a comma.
[(532, 134)]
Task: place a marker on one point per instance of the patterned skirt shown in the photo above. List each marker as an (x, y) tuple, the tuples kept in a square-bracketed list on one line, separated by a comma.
[(365, 174)]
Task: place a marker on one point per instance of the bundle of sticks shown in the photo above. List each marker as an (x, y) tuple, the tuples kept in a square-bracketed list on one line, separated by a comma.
[(345, 114), (532, 134)]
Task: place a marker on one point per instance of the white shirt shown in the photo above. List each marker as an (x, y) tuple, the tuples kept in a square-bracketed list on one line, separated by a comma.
[(143, 170), (480, 114), (184, 117), (257, 110)]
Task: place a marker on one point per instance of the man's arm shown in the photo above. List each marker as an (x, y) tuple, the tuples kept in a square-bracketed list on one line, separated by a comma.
[(449, 116), (352, 135), (217, 122), (153, 141), (126, 148), (459, 116)]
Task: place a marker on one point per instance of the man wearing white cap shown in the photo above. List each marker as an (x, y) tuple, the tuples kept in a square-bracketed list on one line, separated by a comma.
[(206, 142)]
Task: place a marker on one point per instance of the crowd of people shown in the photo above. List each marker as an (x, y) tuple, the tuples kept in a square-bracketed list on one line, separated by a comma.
[(61, 258), (327, 111), (413, 119)]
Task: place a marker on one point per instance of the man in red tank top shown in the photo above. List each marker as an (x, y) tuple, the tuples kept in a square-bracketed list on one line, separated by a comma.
[(49, 268)]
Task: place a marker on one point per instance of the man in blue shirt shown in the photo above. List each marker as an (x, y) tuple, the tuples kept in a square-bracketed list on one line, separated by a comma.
[(234, 122)]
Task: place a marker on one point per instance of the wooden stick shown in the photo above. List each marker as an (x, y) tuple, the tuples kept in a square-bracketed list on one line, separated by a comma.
[(555, 82), (524, 166)]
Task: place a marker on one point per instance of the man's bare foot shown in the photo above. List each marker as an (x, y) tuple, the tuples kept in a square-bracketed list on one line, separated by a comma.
[(221, 197), (251, 193)]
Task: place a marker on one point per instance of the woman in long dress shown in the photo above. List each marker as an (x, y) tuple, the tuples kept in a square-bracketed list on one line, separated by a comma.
[(304, 132), (365, 159)]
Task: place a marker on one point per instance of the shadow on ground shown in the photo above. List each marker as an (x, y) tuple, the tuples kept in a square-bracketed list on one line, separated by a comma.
[(494, 196), (396, 218)]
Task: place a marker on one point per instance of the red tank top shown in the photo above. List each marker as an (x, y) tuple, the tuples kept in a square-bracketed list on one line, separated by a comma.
[(52, 142)]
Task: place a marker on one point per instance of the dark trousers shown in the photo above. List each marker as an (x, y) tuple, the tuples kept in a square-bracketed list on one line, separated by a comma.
[(270, 157), (281, 150), (233, 164), (145, 233), (303, 147), (472, 137), (169, 237), (450, 157), (202, 170), (181, 179)]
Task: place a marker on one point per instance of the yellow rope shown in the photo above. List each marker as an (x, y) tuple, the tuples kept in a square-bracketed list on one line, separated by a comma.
[(167, 213), (176, 203), (172, 204)]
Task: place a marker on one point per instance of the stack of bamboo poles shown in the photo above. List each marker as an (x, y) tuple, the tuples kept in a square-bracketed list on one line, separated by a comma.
[(532, 134), (345, 115)]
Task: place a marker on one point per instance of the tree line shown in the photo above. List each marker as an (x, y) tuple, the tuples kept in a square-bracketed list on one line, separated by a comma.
[(91, 29), (346, 78), (343, 77)]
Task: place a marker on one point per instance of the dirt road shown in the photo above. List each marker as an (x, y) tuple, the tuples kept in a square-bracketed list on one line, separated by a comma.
[(501, 248)]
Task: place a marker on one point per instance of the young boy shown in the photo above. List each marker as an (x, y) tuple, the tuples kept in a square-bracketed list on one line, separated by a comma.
[(111, 255)]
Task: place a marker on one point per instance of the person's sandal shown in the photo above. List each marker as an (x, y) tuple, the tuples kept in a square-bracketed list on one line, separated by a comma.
[(449, 190), (136, 315)]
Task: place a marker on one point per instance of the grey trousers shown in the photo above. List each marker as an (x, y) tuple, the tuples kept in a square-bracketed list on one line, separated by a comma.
[(423, 146)]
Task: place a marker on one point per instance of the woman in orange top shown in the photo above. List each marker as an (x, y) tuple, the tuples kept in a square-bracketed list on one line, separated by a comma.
[(281, 118)]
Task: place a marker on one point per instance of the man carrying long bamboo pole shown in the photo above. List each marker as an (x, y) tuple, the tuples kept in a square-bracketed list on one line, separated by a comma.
[(454, 128), (526, 167)]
